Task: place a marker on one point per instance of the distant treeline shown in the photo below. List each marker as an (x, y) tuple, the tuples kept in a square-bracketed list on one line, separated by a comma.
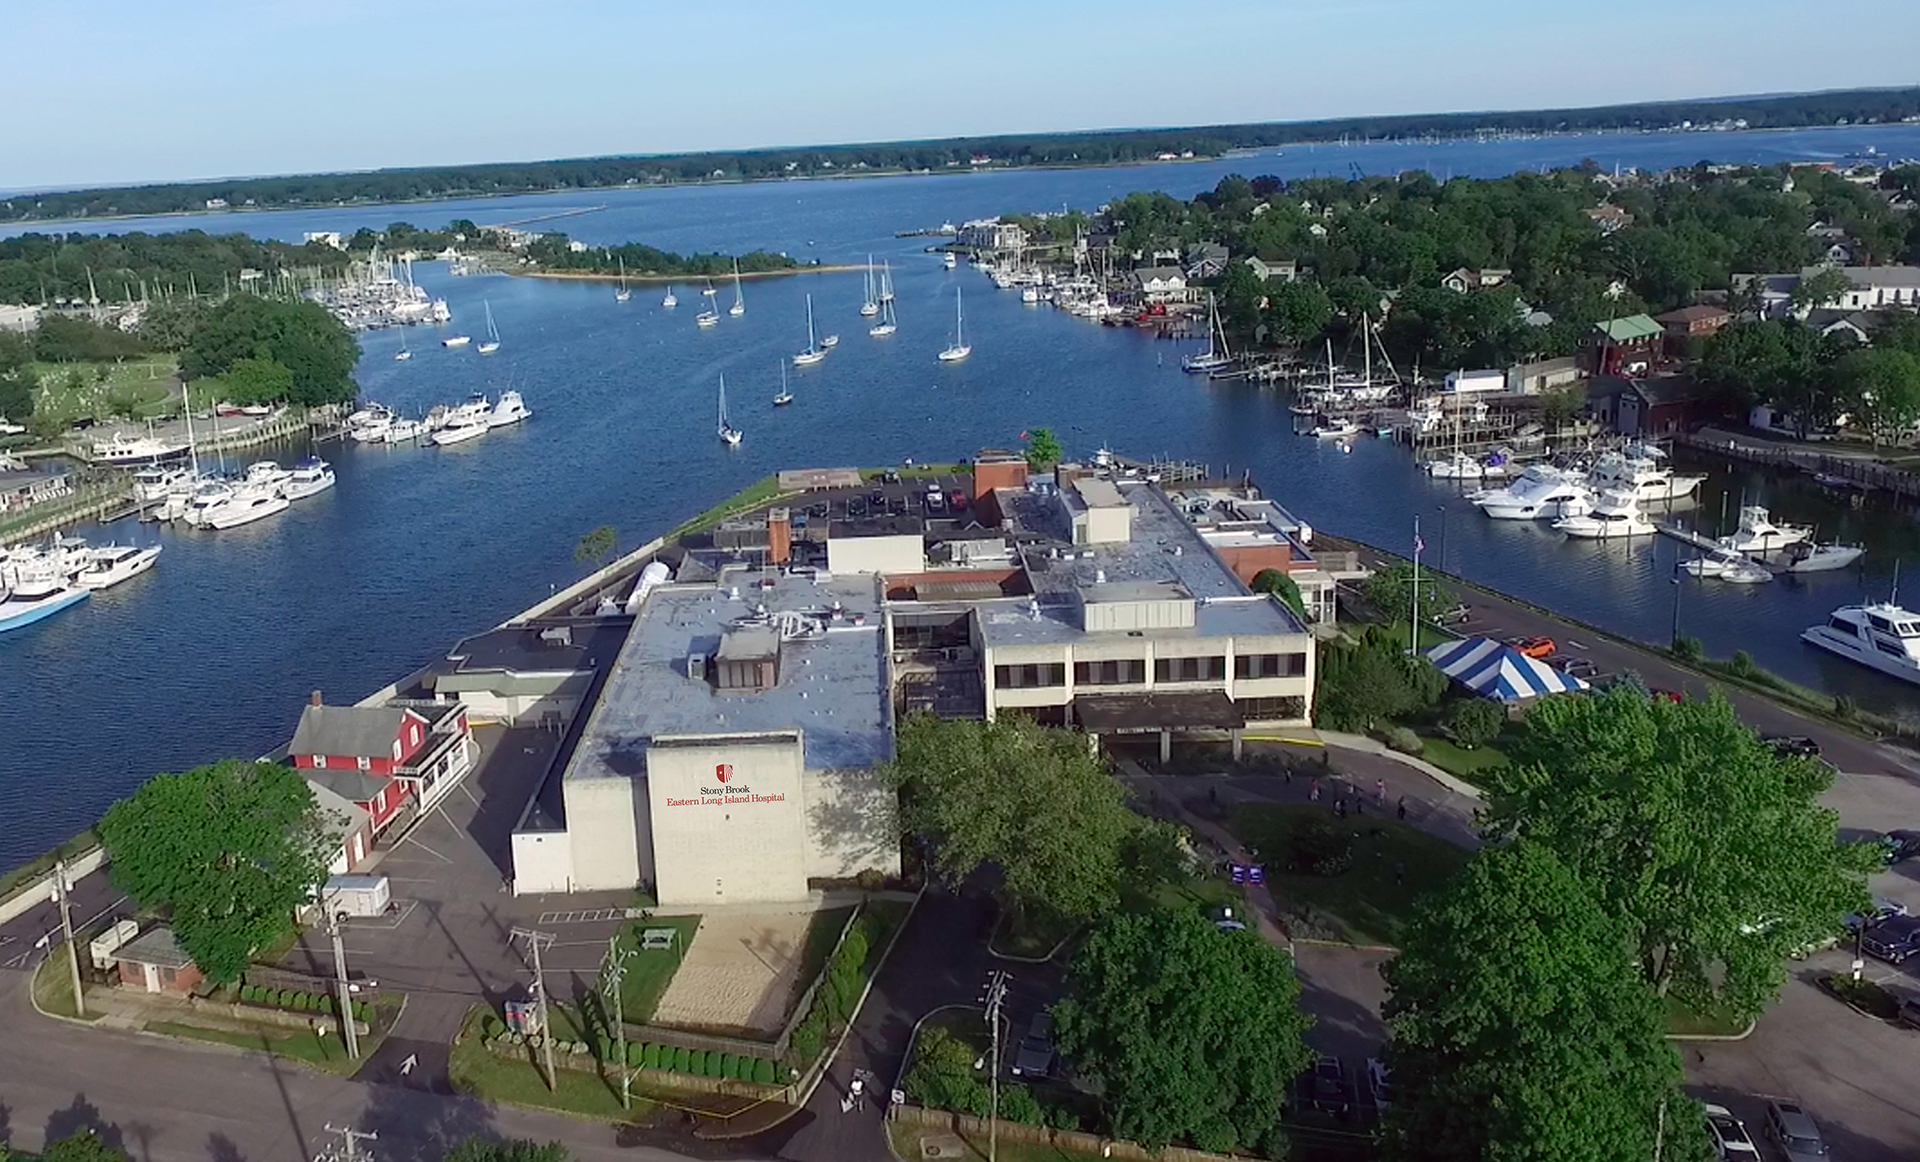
[(1070, 149)]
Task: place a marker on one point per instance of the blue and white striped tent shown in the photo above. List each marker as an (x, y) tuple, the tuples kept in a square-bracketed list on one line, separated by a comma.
[(1495, 669)]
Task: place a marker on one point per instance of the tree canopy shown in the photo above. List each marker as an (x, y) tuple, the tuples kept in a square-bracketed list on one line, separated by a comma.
[(302, 337), (1710, 847), (1361, 684), (1881, 389), (1043, 448), (1521, 1031), (1028, 799), (1278, 583), (17, 379), (1193, 1033), (230, 850)]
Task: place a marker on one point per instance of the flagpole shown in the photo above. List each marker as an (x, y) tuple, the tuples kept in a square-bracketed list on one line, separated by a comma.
[(1413, 627)]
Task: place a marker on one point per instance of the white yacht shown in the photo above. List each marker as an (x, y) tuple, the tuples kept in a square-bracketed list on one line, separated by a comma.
[(109, 565), (1807, 557), (671, 300), (888, 324), (870, 302), (34, 593), (950, 261), (1216, 356), (208, 495), (266, 472), (1459, 466), (1882, 636), (456, 340), (1733, 567), (461, 427), (1336, 430), (370, 424), (250, 502), (623, 294), (309, 476), (1615, 514), (1638, 467), (155, 483), (959, 349), (510, 410), (406, 431), (739, 306), (729, 435), (492, 342), (814, 351), (710, 317), (123, 451), (1758, 534), (1543, 492)]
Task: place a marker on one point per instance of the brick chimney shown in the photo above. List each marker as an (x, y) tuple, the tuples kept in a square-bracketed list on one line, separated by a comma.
[(313, 699), (779, 536)]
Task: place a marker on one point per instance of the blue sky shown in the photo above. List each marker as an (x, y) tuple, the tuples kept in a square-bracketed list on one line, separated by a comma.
[(133, 90)]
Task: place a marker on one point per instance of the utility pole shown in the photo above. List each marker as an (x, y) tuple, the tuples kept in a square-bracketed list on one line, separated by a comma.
[(63, 891), (1413, 627), (349, 1148), (348, 1032), (536, 941), (996, 998), (614, 974)]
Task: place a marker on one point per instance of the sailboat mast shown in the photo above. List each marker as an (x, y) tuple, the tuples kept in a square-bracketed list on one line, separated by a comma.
[(1366, 345)]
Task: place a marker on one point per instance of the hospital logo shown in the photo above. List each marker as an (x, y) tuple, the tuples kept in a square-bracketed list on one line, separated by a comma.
[(723, 772)]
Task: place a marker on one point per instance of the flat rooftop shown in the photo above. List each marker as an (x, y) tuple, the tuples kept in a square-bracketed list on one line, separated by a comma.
[(832, 680), (1018, 622)]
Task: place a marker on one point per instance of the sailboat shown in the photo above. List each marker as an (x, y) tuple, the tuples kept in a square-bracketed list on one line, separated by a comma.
[(671, 301), (814, 352), (870, 306), (886, 282), (492, 343), (785, 397), (959, 349), (1216, 356), (729, 435), (402, 355), (887, 324), (739, 306), (711, 315), (623, 294)]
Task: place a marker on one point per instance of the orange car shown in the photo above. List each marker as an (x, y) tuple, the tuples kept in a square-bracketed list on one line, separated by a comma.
[(1536, 647)]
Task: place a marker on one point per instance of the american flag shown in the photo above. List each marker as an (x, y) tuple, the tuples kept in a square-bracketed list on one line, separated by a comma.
[(1419, 546)]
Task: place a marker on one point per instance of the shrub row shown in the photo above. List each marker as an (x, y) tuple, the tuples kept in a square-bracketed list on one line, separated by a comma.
[(834, 1000), (649, 1055), (297, 1001)]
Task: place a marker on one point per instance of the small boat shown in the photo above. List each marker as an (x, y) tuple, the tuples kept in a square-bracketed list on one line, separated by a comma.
[(1809, 558), (888, 324), (402, 355), (785, 397), (622, 294), (456, 341), (829, 342), (1727, 567), (310, 476), (250, 502), (950, 261), (958, 349), (1458, 466), (1758, 534), (37, 594), (815, 351), (493, 334), (406, 431), (729, 435), (1838, 483), (709, 317), (1616, 515), (461, 429), (510, 410), (671, 301), (739, 306), (870, 304), (109, 565), (1336, 430), (1882, 636)]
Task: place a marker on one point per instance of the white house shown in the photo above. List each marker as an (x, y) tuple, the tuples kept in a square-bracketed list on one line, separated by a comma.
[(1870, 288)]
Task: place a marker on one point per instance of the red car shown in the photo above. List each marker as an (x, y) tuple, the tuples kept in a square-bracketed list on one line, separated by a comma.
[(1536, 647)]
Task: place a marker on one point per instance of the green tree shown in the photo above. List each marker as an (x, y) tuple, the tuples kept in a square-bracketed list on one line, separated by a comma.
[(1278, 583), (1520, 1031), (479, 1149), (1029, 799), (1297, 312), (1192, 1033), (1043, 448), (596, 546), (1561, 404), (301, 336), (17, 380), (83, 1145), (254, 380), (943, 1077), (1391, 590), (1821, 288), (1881, 389), (1713, 849), (1364, 684), (170, 326), (1475, 722), (1241, 293), (231, 850), (71, 339)]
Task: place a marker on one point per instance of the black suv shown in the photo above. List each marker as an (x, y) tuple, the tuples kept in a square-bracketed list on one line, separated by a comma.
[(1788, 746), (1892, 939)]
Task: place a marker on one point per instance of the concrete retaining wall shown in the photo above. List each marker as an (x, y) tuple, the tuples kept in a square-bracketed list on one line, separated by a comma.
[(37, 892)]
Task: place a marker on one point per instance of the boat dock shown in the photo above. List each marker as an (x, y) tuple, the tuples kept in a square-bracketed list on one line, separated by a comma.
[(1687, 536), (1857, 471)]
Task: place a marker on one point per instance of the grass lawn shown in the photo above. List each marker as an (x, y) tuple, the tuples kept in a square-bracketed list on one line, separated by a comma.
[(759, 492), (1430, 635), (40, 865), (308, 1048), (147, 384), (1365, 904), (906, 1143), (1205, 894), (477, 1070), (1459, 762), (53, 986), (1685, 1022), (649, 973)]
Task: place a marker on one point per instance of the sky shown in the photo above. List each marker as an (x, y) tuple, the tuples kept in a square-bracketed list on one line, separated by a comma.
[(132, 90)]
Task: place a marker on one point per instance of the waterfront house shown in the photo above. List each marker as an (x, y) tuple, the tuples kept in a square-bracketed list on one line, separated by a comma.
[(23, 488), (991, 234), (1660, 405), (154, 962), (1273, 269), (1205, 261), (407, 753), (1765, 296), (1157, 284), (1625, 346)]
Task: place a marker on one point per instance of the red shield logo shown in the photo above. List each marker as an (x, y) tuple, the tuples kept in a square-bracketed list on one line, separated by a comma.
[(723, 771)]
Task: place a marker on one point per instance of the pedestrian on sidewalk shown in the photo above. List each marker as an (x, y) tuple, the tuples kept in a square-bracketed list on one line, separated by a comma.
[(1403, 808), (1340, 807), (1313, 792), (1380, 792)]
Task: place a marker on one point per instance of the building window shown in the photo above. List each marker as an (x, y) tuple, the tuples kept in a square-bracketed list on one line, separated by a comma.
[(1270, 666), (1272, 709), (396, 750), (1210, 669), (1030, 675), (1114, 672), (364, 763)]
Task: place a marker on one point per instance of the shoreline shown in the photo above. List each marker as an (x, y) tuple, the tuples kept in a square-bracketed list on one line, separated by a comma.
[(686, 279), (76, 225)]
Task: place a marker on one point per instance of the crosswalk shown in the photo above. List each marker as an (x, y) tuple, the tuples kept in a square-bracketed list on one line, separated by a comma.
[(591, 916)]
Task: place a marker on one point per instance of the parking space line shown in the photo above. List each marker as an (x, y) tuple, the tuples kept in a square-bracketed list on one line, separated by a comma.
[(425, 848)]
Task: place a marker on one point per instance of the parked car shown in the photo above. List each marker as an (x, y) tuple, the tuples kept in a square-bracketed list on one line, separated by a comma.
[(1792, 746), (1454, 616), (1379, 1085), (1731, 1142), (959, 501), (1034, 1057), (1536, 647), (1332, 1090), (1882, 909), (1901, 845), (1892, 939), (936, 500), (856, 507), (890, 476), (1792, 1129), (878, 499)]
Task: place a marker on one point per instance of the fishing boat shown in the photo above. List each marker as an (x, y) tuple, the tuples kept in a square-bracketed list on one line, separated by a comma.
[(1758, 534), (1336, 430), (1216, 356), (739, 306), (1881, 636), (1543, 492), (710, 316), (461, 428), (37, 592), (870, 302), (815, 351), (1615, 515), (729, 435), (1638, 467), (309, 477), (622, 294), (950, 261), (958, 349), (493, 334), (456, 340), (671, 300), (109, 565), (510, 410)]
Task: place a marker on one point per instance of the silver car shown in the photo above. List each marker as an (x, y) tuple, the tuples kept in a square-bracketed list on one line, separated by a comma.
[(1792, 1129)]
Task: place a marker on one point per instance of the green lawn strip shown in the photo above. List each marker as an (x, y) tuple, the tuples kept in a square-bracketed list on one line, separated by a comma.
[(40, 865), (1456, 760), (1686, 1022), (1206, 894), (649, 973), (906, 1143), (308, 1048), (752, 496), (1430, 635), (1365, 904), (823, 933), (477, 1070), (53, 987), (917, 471)]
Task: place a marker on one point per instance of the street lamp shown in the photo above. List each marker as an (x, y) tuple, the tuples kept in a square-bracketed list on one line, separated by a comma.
[(1673, 642), (1443, 536)]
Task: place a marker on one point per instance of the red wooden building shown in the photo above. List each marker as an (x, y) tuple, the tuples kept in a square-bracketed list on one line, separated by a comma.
[(384, 758)]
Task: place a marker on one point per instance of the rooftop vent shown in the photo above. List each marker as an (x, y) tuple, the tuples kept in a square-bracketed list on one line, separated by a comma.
[(697, 667)]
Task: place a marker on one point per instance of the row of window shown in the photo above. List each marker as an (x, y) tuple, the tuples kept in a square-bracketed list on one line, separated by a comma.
[(1133, 671)]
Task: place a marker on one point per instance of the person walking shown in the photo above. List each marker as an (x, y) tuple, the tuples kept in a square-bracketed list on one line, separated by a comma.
[(1340, 807), (1403, 808), (1380, 792), (1313, 792)]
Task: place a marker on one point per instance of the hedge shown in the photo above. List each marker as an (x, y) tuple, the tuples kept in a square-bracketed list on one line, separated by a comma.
[(720, 1066), (654, 1055), (763, 1070), (697, 1062), (680, 1059)]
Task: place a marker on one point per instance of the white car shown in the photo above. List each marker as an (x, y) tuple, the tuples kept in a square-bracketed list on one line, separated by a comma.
[(1731, 1142)]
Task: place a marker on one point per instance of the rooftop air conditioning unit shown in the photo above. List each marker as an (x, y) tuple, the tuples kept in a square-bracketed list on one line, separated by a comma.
[(697, 667)]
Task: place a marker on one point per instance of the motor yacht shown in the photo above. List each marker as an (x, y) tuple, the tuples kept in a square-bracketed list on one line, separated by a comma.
[(406, 431), (460, 429), (266, 472), (109, 565), (1543, 492), (1731, 567), (1616, 514), (1638, 467), (1458, 466), (1758, 534), (123, 451), (36, 591), (309, 476), (208, 495), (156, 482), (456, 340), (509, 410), (1807, 557), (1882, 636), (250, 502)]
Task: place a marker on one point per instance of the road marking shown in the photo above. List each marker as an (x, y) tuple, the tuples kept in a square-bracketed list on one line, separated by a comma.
[(425, 848), (1578, 645), (591, 916)]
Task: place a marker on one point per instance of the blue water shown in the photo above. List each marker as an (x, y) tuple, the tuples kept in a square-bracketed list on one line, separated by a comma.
[(215, 650)]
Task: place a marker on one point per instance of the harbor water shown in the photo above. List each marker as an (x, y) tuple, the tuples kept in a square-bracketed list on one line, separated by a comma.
[(214, 651)]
